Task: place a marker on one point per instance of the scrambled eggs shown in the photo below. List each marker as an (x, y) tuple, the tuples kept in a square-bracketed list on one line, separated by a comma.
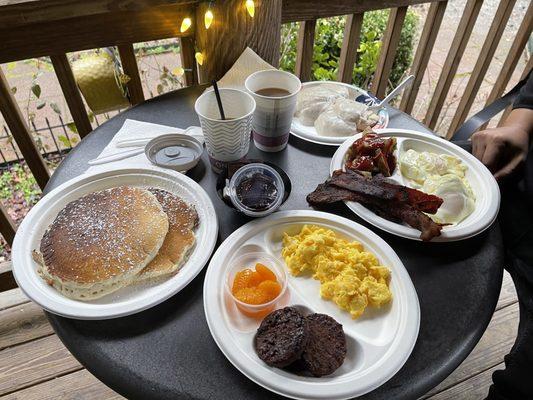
[(349, 276), (444, 176)]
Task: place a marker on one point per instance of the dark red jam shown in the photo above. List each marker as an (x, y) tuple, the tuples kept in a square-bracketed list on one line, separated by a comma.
[(257, 192)]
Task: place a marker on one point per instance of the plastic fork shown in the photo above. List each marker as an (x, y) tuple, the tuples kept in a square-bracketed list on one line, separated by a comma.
[(394, 92)]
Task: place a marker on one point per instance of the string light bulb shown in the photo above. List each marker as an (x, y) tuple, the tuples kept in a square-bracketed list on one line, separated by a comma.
[(178, 71), (208, 18), (250, 7), (199, 58), (185, 24)]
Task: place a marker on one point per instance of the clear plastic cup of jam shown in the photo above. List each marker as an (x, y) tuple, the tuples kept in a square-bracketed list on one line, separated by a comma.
[(256, 190)]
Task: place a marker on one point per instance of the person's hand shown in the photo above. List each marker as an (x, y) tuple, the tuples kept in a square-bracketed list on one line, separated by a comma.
[(503, 150)]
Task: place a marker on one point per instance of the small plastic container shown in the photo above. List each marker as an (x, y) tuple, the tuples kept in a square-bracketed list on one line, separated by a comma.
[(175, 151), (249, 260), (271, 199)]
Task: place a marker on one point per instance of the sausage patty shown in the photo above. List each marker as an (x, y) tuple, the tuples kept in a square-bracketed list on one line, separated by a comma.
[(281, 337), (326, 348)]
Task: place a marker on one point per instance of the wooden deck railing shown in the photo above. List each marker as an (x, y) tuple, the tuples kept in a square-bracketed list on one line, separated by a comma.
[(37, 28)]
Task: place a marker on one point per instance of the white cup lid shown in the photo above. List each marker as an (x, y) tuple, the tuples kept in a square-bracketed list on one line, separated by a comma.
[(174, 151)]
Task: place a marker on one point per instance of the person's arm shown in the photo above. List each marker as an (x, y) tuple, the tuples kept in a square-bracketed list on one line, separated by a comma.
[(505, 148)]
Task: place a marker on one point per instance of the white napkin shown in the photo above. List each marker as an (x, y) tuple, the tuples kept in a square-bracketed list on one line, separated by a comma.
[(132, 129), (247, 63)]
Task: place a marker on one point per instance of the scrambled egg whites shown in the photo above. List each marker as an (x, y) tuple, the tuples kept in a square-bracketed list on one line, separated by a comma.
[(444, 176), (349, 276)]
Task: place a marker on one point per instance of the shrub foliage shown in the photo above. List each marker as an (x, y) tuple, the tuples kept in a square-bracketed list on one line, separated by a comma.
[(328, 41)]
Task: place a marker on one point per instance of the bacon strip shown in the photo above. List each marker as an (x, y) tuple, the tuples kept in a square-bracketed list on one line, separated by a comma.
[(388, 200), (384, 189)]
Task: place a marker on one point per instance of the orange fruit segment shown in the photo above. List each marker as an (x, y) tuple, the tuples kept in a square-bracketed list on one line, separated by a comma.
[(256, 287), (251, 296), (242, 280), (265, 272), (256, 279), (271, 289)]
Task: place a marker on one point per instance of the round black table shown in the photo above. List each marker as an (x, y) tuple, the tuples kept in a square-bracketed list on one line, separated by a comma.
[(167, 351)]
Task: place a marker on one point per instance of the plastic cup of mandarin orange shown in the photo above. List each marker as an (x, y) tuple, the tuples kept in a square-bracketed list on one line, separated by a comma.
[(248, 261)]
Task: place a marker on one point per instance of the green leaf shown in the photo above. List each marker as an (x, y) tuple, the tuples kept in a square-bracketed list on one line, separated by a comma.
[(91, 116), (72, 127), (13, 89), (40, 105), (55, 107), (159, 89), (11, 66), (63, 139), (36, 89)]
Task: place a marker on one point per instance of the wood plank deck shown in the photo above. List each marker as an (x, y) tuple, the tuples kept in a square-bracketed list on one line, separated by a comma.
[(34, 364)]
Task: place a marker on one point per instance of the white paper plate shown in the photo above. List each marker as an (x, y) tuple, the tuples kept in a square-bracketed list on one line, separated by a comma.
[(309, 133), (378, 343), (130, 299), (481, 180)]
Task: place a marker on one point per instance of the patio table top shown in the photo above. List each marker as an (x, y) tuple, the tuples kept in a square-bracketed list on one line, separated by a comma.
[(167, 352)]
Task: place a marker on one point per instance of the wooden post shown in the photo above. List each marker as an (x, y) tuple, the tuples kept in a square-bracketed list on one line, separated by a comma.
[(232, 30), (509, 65), (72, 94), (7, 280), (423, 53), (482, 64), (304, 50), (388, 51), (350, 44), (7, 226), (466, 24), (129, 65), (21, 133), (188, 62)]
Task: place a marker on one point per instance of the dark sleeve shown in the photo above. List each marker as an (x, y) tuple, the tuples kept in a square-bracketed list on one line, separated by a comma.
[(525, 97)]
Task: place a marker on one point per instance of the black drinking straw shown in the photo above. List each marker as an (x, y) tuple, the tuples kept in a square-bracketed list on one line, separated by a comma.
[(217, 94)]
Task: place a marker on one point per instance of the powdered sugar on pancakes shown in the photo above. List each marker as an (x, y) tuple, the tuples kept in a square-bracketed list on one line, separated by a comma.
[(180, 239), (101, 241)]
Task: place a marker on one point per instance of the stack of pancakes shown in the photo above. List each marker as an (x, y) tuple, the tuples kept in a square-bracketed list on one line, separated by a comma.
[(116, 237)]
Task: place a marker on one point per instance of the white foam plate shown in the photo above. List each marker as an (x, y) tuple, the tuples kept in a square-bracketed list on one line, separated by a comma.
[(309, 133), (130, 299), (480, 178), (378, 343)]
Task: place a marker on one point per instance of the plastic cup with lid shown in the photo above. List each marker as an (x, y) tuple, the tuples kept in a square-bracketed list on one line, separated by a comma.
[(256, 190)]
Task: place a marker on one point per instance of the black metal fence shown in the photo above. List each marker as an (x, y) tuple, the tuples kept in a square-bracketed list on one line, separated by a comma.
[(54, 139)]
